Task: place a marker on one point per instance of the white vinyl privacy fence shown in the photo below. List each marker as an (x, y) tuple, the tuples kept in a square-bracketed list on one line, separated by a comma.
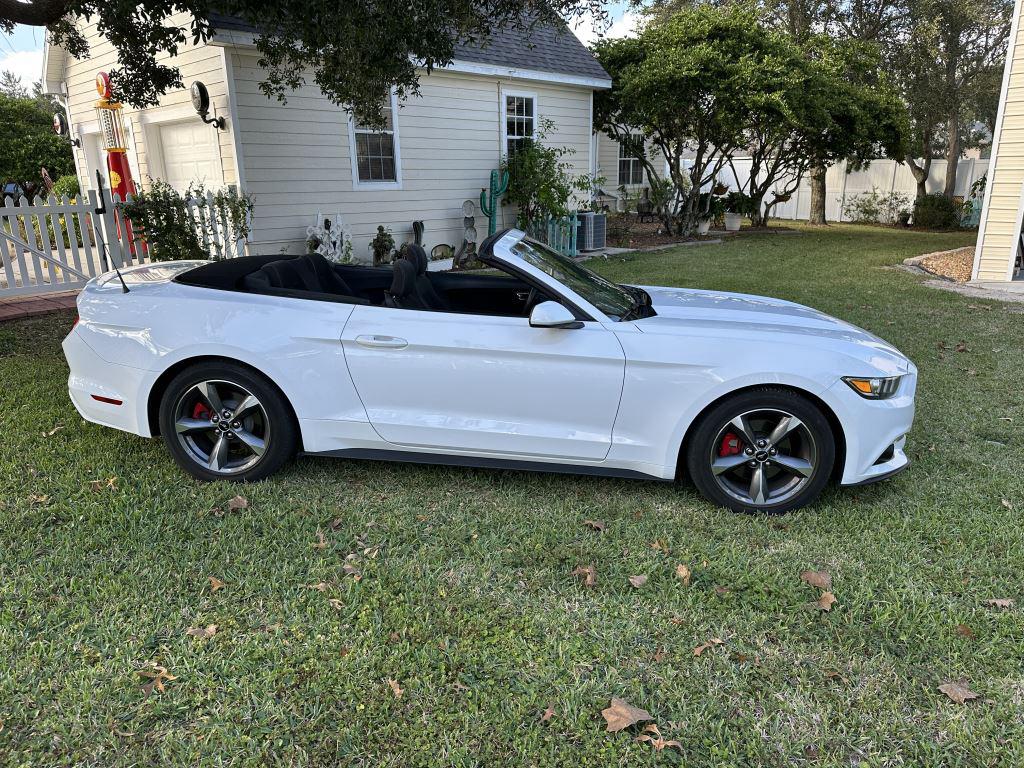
[(885, 176), (55, 244)]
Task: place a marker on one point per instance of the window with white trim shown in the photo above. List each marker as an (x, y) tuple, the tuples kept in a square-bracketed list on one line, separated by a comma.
[(375, 155), (520, 120), (631, 169)]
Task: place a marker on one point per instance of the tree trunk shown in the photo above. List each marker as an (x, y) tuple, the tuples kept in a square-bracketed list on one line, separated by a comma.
[(920, 174), (818, 191), (952, 154), (758, 215)]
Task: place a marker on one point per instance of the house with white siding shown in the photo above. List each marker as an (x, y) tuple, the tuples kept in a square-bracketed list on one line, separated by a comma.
[(308, 155)]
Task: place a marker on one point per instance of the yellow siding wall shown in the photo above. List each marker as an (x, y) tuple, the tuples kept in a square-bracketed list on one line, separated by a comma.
[(608, 161), (202, 62), (997, 243), (296, 158)]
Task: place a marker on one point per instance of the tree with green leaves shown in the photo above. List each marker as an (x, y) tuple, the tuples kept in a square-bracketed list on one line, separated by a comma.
[(356, 51), (689, 83), (948, 63), (709, 82), (27, 141)]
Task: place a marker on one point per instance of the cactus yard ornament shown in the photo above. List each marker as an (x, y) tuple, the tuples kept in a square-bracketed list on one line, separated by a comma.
[(489, 204)]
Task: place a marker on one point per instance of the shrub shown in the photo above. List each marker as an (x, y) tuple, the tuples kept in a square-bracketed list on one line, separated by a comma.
[(875, 208), (540, 183), (176, 226), (935, 212), (66, 186)]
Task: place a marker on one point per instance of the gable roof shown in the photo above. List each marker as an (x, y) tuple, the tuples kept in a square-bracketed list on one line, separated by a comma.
[(526, 53)]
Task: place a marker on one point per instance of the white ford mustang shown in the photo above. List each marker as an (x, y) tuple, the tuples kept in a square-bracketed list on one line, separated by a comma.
[(538, 363)]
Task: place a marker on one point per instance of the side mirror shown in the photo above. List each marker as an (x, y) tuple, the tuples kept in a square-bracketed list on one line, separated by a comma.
[(551, 314)]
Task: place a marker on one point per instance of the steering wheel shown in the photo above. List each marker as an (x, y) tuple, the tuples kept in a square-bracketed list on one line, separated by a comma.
[(531, 299)]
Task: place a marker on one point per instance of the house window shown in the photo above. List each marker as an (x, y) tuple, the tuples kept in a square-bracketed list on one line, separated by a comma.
[(376, 162), (520, 120), (631, 169)]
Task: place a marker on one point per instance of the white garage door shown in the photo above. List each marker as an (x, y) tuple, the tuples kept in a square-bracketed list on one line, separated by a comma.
[(190, 155)]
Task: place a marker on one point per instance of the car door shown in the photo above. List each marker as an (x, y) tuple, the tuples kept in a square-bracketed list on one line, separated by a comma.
[(485, 384)]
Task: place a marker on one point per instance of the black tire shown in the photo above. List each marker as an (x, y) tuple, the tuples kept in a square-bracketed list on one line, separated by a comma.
[(813, 439), (270, 425)]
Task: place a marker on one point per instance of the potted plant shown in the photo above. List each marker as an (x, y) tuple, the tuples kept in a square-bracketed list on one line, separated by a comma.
[(719, 189), (710, 209), (737, 205)]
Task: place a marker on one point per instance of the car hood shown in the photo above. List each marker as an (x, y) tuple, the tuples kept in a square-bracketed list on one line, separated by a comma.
[(685, 311)]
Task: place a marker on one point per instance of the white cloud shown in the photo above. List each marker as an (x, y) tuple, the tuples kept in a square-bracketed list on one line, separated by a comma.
[(26, 65), (623, 26)]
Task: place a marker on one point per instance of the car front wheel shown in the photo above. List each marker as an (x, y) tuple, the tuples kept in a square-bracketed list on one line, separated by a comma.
[(764, 450), (221, 421)]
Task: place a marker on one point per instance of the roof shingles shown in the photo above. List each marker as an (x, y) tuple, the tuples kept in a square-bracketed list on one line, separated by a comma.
[(542, 48)]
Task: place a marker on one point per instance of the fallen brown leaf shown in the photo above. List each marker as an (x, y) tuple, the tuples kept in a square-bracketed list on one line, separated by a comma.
[(202, 633), (320, 586), (659, 654), (958, 692), (121, 734), (548, 714), (620, 715), (336, 604), (826, 601), (351, 570), (964, 631), (38, 498), (962, 347), (1000, 602), (817, 579), (321, 542), (216, 583), (683, 574), (658, 545), (237, 503), (721, 591), (55, 430), (1007, 503), (709, 644), (589, 574), (157, 676), (396, 688), (638, 581), (596, 525)]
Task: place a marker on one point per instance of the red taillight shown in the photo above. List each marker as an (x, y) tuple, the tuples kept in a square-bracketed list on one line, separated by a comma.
[(110, 400)]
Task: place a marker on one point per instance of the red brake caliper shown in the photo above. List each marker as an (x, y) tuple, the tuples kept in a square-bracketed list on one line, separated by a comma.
[(731, 445), (200, 411)]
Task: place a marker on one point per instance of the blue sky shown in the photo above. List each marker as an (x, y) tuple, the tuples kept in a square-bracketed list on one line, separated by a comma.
[(22, 52)]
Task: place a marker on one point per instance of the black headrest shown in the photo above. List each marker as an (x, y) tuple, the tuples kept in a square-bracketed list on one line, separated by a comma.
[(418, 257), (404, 279)]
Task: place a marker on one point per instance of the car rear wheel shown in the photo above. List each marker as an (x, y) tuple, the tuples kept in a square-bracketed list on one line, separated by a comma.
[(221, 421), (765, 450)]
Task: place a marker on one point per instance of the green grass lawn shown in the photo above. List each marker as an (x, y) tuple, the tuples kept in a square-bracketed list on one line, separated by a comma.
[(466, 597)]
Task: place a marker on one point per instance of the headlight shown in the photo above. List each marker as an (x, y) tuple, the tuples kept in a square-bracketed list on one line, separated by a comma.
[(876, 388)]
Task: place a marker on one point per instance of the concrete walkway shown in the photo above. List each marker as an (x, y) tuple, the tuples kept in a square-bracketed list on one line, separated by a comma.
[(18, 307)]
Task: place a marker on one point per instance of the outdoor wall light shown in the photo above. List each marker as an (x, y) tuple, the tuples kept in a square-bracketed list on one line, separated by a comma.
[(62, 129), (201, 104)]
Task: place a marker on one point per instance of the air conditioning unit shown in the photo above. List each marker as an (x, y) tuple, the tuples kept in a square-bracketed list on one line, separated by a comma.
[(592, 232)]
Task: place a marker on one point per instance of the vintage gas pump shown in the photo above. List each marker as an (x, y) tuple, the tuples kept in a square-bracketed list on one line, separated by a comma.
[(115, 144)]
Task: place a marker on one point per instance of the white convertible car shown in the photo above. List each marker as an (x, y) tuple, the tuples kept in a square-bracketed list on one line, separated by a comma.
[(537, 363)]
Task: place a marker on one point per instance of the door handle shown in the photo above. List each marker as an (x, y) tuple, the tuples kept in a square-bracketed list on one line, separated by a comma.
[(381, 342)]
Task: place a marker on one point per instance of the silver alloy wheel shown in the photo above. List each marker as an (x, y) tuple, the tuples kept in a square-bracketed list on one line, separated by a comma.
[(776, 459), (222, 426)]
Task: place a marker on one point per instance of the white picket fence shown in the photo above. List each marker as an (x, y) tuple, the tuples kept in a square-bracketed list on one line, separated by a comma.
[(58, 244)]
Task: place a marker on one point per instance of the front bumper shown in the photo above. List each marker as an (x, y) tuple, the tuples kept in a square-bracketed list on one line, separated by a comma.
[(93, 377), (875, 431)]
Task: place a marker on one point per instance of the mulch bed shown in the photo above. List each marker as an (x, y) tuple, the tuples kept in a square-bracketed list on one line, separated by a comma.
[(955, 265), (648, 234)]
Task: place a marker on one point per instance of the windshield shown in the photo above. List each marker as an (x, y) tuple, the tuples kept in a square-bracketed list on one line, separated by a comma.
[(614, 300)]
